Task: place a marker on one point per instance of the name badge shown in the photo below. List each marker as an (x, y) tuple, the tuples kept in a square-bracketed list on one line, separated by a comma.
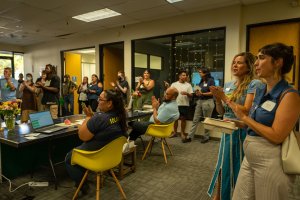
[(205, 84), (268, 105), (227, 89)]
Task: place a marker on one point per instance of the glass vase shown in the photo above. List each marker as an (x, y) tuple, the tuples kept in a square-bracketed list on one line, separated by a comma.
[(10, 121)]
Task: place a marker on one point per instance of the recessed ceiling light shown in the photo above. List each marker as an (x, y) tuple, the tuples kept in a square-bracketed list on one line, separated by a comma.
[(97, 15), (173, 1)]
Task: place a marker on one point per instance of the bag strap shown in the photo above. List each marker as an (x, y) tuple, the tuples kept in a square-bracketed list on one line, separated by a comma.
[(284, 93), (297, 135)]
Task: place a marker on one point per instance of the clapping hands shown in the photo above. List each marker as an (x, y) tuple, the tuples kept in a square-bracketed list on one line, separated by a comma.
[(219, 93)]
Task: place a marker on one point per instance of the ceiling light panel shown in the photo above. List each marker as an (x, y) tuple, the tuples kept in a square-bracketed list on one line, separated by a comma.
[(97, 15), (173, 1)]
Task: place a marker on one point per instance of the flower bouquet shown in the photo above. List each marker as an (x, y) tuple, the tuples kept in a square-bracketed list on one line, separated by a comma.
[(9, 109)]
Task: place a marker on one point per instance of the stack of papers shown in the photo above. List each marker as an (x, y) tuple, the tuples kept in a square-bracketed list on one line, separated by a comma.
[(219, 125)]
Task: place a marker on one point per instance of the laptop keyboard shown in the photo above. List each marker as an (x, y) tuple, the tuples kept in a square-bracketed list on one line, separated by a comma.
[(51, 128)]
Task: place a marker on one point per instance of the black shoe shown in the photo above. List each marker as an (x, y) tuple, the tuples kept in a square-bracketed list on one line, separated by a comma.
[(186, 140), (204, 140)]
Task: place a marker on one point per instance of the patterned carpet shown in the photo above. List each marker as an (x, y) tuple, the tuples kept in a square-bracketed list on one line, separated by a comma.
[(185, 177)]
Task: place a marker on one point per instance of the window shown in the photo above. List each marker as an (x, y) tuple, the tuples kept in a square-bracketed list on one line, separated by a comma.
[(155, 62), (140, 60), (12, 60), (165, 56)]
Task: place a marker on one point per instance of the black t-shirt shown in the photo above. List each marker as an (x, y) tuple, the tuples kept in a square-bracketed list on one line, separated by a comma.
[(51, 97), (123, 84), (105, 127)]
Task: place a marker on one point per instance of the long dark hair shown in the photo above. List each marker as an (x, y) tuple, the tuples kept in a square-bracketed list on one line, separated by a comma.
[(206, 72), (118, 106)]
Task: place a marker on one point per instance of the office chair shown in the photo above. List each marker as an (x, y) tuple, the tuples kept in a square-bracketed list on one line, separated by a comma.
[(100, 161), (162, 132)]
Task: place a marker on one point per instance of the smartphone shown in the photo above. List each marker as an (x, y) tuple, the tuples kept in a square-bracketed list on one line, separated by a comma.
[(89, 108)]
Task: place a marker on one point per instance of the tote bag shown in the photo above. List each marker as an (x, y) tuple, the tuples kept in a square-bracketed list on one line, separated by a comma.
[(290, 154)]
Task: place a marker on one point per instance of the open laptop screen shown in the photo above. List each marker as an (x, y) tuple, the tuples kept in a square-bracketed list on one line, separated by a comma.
[(40, 119)]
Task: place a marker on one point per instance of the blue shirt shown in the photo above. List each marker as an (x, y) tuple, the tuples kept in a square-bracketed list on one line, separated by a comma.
[(6, 93), (96, 88), (229, 89), (167, 112), (204, 85), (261, 115)]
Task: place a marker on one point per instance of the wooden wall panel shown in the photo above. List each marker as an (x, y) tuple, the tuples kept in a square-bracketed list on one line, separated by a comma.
[(287, 33), (112, 63), (73, 68)]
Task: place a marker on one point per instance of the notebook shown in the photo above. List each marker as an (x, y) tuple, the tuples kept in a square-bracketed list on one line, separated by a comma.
[(219, 125), (42, 122)]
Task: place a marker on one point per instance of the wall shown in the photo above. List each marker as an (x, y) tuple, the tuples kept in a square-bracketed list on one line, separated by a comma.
[(8, 47), (234, 18)]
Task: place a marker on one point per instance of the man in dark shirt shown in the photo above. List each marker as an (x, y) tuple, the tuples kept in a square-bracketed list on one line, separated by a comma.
[(51, 91)]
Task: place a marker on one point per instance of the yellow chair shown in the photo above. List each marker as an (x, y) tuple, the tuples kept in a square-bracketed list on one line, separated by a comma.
[(162, 132), (99, 161)]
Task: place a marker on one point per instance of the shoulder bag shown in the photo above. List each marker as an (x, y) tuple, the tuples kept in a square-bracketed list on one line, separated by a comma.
[(290, 151)]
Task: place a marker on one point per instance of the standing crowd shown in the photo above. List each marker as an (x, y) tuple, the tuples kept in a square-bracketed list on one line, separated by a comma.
[(259, 100)]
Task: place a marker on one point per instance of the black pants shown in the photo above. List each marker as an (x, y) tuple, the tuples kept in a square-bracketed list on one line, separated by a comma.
[(138, 128)]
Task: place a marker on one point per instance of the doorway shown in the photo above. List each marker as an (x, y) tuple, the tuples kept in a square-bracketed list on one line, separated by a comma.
[(111, 61), (79, 63)]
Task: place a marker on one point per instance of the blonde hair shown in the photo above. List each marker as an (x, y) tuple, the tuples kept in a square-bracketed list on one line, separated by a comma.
[(242, 87)]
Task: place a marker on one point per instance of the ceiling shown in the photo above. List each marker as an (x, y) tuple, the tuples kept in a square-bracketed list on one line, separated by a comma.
[(27, 22)]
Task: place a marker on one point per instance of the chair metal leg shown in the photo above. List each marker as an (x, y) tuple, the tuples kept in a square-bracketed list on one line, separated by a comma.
[(98, 186), (118, 183), (168, 146), (80, 185), (149, 144), (164, 152)]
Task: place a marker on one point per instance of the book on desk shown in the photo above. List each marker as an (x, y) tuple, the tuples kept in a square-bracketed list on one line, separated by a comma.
[(219, 125)]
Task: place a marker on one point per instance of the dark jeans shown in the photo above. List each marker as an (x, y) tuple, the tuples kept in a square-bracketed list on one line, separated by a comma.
[(69, 101), (75, 171), (138, 128)]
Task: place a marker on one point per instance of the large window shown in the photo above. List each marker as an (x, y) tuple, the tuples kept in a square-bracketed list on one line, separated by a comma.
[(12, 60), (165, 56)]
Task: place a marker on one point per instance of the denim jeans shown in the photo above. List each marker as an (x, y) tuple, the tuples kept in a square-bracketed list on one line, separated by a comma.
[(204, 108), (76, 172), (69, 101)]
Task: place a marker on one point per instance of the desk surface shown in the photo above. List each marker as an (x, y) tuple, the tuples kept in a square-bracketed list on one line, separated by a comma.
[(17, 138)]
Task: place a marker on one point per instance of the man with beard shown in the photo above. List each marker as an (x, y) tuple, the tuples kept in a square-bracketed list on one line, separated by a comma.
[(121, 85), (165, 113)]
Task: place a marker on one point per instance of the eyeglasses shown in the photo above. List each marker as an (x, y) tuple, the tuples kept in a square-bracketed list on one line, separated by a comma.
[(99, 99)]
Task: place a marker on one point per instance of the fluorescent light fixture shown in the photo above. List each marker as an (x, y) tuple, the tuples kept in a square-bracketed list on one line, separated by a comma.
[(97, 15), (173, 1)]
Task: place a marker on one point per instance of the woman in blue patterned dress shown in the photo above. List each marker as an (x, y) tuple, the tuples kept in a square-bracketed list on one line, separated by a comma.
[(241, 91)]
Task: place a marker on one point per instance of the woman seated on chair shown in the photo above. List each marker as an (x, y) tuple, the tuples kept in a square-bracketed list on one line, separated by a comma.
[(98, 130)]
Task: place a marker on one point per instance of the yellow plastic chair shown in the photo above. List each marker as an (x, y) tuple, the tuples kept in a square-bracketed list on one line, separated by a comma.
[(99, 161), (162, 132)]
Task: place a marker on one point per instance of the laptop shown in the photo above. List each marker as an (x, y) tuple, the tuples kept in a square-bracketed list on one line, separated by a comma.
[(42, 122)]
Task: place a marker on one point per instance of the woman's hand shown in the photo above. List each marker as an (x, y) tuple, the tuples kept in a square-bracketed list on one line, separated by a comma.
[(240, 114), (218, 93)]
